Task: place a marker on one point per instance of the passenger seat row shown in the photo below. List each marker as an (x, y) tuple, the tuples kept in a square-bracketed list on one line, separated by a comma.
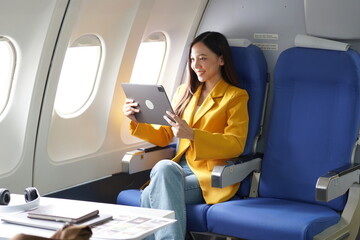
[(306, 185)]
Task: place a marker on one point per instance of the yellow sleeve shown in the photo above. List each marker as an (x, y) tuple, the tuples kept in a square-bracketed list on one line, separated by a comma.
[(155, 134)]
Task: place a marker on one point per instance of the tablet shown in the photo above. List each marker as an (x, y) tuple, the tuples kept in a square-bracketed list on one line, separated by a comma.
[(153, 102)]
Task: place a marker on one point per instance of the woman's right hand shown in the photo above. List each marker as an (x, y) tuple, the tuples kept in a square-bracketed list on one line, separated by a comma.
[(130, 108)]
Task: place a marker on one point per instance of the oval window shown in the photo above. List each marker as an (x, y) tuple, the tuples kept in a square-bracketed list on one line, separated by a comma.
[(7, 69), (78, 75), (149, 59)]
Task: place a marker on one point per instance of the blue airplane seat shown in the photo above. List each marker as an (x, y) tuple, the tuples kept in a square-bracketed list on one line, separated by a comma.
[(251, 67), (314, 125)]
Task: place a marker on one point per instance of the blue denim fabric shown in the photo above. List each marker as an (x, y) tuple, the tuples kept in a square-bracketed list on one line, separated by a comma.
[(172, 186)]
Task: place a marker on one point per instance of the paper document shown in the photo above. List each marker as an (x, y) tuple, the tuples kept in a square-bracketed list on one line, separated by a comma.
[(127, 226)]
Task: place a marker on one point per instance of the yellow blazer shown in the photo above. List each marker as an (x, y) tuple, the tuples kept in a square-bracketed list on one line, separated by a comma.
[(220, 129)]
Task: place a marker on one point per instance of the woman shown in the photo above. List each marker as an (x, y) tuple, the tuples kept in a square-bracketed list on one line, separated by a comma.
[(211, 122)]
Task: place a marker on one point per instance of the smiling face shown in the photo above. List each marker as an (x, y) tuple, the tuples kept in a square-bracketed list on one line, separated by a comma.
[(205, 63)]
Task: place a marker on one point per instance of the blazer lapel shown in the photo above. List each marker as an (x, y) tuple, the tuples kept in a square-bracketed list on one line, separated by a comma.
[(217, 91), (188, 114), (205, 106)]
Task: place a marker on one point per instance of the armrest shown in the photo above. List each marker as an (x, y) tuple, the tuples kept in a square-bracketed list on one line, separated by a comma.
[(348, 225), (234, 172), (337, 182), (145, 158)]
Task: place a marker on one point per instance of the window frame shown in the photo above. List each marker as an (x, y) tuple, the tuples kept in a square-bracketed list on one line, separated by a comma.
[(87, 40), (157, 36), (13, 50)]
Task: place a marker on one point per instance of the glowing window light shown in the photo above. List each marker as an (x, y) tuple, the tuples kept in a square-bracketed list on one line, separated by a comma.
[(149, 59), (78, 75), (7, 67)]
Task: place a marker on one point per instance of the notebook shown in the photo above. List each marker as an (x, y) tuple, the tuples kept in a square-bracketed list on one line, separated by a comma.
[(63, 214), (153, 102)]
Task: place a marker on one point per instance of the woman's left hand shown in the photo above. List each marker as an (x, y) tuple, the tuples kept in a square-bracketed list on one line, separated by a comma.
[(179, 126)]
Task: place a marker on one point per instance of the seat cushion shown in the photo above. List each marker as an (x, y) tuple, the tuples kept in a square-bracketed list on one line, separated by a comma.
[(130, 197), (195, 213), (266, 218), (196, 217)]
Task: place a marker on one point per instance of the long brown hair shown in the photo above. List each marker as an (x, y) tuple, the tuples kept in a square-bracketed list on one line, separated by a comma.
[(218, 44)]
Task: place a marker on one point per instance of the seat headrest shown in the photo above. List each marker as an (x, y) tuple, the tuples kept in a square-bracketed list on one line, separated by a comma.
[(239, 42), (315, 42)]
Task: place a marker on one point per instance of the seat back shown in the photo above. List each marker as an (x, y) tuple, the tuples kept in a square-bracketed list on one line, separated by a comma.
[(314, 122), (251, 69)]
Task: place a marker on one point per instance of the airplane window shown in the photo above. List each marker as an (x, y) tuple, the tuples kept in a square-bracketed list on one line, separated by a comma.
[(78, 75), (149, 59), (7, 67)]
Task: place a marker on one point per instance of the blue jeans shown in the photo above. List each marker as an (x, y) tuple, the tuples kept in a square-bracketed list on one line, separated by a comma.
[(172, 186)]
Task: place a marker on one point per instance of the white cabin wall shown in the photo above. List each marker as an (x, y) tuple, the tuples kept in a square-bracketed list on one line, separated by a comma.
[(89, 146), (178, 20), (69, 149), (33, 27), (179, 23)]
